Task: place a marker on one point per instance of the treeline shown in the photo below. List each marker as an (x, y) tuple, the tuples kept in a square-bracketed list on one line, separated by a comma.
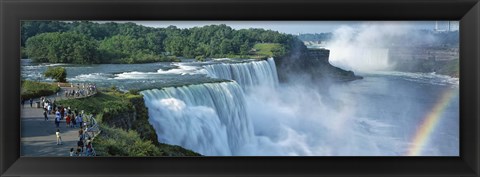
[(89, 42)]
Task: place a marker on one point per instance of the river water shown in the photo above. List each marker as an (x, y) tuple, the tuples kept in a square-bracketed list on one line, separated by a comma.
[(239, 108)]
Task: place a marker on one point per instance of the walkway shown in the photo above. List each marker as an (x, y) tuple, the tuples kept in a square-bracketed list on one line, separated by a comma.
[(38, 136)]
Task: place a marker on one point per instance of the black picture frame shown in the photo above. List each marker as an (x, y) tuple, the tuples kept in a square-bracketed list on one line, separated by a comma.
[(13, 11)]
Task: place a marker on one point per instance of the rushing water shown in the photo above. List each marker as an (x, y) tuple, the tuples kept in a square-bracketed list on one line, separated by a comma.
[(252, 114)]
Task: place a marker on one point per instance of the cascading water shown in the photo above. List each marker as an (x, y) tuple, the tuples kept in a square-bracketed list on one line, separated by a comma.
[(208, 118), (247, 74)]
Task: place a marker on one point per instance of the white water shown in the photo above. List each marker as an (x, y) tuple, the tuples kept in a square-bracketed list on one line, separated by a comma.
[(360, 118), (208, 118), (248, 74)]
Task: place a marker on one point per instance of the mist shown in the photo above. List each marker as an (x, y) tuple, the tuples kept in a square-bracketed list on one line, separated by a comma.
[(366, 48), (361, 118), (298, 119)]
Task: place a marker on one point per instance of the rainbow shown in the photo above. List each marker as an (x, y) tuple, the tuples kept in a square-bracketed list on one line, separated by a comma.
[(429, 123)]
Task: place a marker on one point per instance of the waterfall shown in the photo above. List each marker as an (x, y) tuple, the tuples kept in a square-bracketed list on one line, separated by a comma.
[(248, 74), (208, 118)]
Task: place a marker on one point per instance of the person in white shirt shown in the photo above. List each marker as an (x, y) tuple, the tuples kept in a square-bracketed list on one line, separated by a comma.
[(59, 138)]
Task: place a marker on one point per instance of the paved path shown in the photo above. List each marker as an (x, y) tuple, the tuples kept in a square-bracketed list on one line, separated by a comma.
[(38, 135)]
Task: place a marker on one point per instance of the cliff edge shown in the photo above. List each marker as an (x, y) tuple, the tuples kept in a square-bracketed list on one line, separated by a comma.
[(311, 64)]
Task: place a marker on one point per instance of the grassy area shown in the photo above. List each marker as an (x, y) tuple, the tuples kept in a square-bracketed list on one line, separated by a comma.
[(260, 51), (258, 57), (123, 119), (269, 49), (33, 89), (100, 103)]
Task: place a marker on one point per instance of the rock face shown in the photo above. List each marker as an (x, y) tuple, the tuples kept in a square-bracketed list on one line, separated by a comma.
[(321, 55), (311, 64)]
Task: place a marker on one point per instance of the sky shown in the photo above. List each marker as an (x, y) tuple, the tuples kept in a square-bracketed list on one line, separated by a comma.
[(292, 27)]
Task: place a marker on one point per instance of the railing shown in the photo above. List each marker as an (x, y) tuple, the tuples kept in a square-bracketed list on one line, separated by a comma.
[(92, 127)]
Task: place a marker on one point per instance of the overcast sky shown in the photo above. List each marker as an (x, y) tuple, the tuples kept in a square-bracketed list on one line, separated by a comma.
[(292, 27)]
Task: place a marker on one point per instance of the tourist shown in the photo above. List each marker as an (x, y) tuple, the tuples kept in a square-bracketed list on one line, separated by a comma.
[(80, 120), (23, 102), (89, 148), (31, 102), (81, 135), (59, 138), (80, 145), (74, 121), (57, 119), (67, 120), (44, 105), (62, 111), (72, 153), (66, 111), (49, 108), (45, 114), (78, 152)]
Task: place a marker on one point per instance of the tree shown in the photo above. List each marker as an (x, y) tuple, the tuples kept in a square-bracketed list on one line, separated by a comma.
[(86, 42), (68, 47), (57, 73)]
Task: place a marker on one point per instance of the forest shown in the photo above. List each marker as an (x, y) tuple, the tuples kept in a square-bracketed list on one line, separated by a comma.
[(85, 42)]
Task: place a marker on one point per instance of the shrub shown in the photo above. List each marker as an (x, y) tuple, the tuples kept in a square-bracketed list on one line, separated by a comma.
[(200, 58), (32, 89), (57, 73), (119, 142)]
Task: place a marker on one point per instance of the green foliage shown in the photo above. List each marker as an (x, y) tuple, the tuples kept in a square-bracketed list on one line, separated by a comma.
[(32, 89), (133, 91), (57, 73), (89, 42), (98, 103), (270, 49), (118, 142), (200, 58), (67, 47), (23, 53), (32, 28)]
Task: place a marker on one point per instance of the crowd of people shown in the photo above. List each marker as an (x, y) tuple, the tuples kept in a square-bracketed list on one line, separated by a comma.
[(81, 90), (73, 118), (76, 119)]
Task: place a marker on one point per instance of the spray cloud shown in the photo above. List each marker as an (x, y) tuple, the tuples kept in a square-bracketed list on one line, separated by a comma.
[(366, 48)]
